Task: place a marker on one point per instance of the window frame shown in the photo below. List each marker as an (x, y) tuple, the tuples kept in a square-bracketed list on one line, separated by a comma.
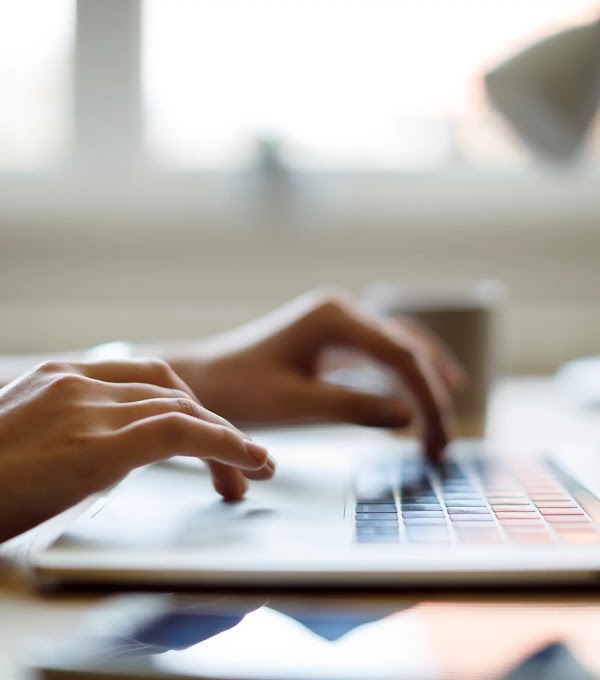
[(107, 173)]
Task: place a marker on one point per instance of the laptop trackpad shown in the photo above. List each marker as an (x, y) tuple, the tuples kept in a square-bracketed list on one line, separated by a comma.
[(174, 505)]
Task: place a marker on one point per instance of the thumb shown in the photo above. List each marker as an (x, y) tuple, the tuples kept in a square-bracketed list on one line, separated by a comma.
[(333, 402)]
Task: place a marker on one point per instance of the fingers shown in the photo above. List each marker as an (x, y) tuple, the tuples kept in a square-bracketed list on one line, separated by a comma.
[(441, 356), (263, 473), (162, 436), (119, 415), (228, 481), (144, 371), (231, 483), (133, 423), (349, 326), (323, 401)]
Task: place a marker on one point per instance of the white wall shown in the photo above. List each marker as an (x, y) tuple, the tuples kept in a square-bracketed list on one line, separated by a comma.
[(151, 265)]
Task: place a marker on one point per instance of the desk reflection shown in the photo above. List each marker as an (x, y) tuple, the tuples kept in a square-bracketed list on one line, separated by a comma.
[(352, 638)]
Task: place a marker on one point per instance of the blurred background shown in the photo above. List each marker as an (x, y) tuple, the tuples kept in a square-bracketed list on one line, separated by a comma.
[(170, 168)]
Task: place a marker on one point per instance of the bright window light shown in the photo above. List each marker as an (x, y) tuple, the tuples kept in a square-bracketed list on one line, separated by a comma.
[(35, 50), (366, 84)]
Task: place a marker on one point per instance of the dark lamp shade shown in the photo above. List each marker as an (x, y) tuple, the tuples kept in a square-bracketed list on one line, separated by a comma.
[(549, 92)]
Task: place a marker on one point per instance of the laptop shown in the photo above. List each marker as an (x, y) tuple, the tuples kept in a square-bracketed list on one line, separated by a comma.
[(348, 507)]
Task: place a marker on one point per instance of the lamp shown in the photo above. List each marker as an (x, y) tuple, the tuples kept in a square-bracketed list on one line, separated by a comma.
[(550, 91)]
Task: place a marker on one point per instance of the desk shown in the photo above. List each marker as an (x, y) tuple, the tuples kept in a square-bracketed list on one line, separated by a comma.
[(520, 409)]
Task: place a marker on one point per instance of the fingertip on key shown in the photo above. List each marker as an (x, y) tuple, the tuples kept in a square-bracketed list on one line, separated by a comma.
[(257, 452)]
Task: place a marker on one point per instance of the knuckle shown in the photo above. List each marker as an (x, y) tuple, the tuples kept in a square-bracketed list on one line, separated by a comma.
[(171, 428), (160, 370), (54, 367), (336, 298), (68, 384), (227, 439), (187, 406), (180, 394), (330, 302)]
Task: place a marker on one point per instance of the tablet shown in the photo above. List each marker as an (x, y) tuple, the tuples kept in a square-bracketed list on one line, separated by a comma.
[(245, 638)]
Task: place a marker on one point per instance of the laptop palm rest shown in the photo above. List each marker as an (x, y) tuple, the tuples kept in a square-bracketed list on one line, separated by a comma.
[(173, 505)]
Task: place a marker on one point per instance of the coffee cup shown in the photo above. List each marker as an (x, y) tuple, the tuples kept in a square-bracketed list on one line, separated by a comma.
[(466, 319)]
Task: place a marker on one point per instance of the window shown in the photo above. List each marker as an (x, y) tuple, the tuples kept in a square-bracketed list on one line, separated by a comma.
[(366, 84), (223, 84), (35, 49)]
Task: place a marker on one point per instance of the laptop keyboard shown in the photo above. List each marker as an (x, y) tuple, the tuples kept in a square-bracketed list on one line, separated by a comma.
[(479, 501)]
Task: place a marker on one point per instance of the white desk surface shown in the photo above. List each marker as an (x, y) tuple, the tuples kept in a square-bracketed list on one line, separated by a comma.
[(521, 409)]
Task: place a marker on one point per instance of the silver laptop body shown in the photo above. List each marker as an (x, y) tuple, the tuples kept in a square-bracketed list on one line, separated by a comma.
[(347, 507)]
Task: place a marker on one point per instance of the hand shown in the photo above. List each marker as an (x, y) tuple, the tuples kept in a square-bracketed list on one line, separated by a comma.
[(68, 430), (268, 372)]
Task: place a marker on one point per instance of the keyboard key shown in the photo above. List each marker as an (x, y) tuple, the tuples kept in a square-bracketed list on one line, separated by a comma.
[(419, 498), (466, 504), (417, 529), (512, 522), (484, 536), (501, 489), (516, 515), (561, 511), (481, 524), (377, 523), (568, 519), (473, 496), (412, 514), (473, 517), (475, 527), (375, 507), (564, 528), (531, 537), (549, 497), (420, 506), (449, 471), (376, 515), (497, 507), (468, 511), (458, 488), (378, 539), (439, 521), (456, 480), (557, 504), (374, 496), (420, 490), (376, 531), (428, 537), (521, 528), (514, 499), (540, 489)]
